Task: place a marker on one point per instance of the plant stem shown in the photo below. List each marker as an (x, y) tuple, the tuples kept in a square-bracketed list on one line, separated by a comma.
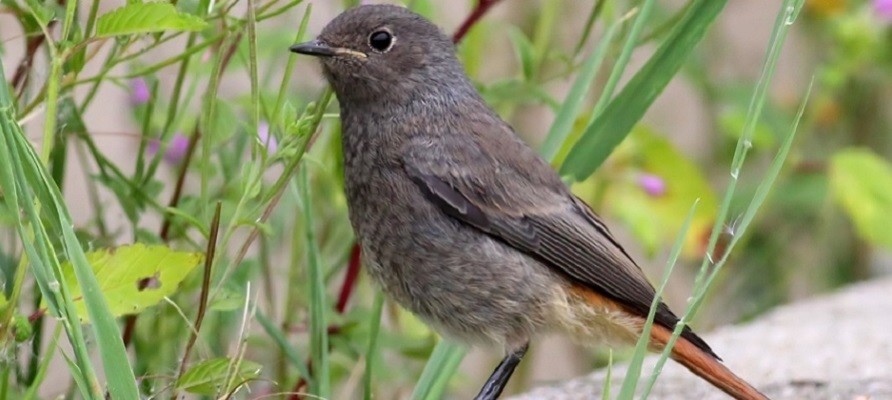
[(205, 291), (476, 14)]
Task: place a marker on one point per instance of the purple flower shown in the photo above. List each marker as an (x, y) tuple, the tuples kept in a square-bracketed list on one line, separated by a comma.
[(139, 92), (883, 10), (268, 140), (176, 149), (652, 184)]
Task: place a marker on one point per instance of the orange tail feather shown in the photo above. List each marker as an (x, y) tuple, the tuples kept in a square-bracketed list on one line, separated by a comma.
[(707, 367)]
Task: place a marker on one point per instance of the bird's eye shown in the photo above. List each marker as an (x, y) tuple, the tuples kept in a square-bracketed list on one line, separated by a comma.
[(381, 40)]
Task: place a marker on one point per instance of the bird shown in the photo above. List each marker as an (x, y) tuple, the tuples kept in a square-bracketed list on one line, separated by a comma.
[(464, 224)]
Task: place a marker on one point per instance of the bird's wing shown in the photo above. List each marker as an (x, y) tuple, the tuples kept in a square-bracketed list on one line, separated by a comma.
[(502, 188)]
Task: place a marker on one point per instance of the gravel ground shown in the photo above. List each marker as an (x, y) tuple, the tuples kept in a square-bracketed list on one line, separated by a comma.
[(833, 347)]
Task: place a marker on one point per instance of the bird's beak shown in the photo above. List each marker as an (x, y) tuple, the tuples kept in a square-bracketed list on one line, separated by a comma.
[(313, 48), (318, 48)]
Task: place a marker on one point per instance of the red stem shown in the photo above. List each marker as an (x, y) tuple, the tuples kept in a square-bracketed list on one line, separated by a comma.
[(482, 7), (349, 279), (205, 290)]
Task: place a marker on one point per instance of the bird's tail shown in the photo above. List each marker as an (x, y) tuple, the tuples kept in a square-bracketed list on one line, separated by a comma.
[(706, 366)]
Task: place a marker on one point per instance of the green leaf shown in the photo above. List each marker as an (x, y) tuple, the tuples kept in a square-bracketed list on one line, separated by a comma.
[(516, 91), (319, 351), (42, 13), (372, 350), (290, 352), (438, 371), (567, 114), (630, 382), (211, 377), (624, 111), (145, 18), (861, 182), (75, 63), (120, 270)]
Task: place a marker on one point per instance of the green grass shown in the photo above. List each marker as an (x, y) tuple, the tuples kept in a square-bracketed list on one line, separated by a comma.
[(284, 231)]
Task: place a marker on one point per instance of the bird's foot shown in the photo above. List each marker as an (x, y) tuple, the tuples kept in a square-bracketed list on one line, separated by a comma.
[(497, 381)]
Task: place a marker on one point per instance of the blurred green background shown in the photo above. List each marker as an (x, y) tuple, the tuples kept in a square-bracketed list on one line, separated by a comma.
[(153, 129)]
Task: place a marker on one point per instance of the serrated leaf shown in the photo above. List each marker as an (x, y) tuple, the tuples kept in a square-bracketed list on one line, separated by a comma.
[(210, 377), (42, 13), (138, 18), (75, 63), (119, 272), (861, 182)]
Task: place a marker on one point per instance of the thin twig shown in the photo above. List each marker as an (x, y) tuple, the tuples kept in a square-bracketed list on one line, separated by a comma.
[(178, 189), (205, 290)]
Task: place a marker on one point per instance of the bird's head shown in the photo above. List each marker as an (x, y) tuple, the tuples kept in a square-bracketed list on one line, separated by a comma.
[(384, 53)]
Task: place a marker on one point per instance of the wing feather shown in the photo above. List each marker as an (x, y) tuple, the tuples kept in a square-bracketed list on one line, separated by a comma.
[(546, 222)]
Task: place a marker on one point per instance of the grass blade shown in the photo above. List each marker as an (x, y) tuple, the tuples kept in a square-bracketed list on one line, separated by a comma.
[(279, 338), (31, 393), (372, 350), (320, 385), (49, 218), (770, 176), (786, 16), (630, 382), (118, 372), (619, 68), (624, 111), (563, 123), (605, 391), (438, 371), (289, 67)]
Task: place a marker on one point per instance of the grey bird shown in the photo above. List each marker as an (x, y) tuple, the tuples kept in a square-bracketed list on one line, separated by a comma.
[(461, 222)]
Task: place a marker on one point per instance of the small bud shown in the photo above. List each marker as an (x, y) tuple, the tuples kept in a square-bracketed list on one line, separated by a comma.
[(139, 92), (652, 184), (176, 149), (266, 139)]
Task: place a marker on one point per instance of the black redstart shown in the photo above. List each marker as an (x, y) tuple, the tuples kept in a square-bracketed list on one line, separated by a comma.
[(461, 222)]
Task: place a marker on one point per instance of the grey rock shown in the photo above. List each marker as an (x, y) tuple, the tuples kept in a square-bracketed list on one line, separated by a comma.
[(834, 347)]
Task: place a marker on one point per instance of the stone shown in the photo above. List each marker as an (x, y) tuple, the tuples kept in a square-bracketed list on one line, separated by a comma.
[(837, 346)]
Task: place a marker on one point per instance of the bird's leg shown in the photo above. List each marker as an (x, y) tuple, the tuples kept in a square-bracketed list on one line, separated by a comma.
[(500, 376)]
